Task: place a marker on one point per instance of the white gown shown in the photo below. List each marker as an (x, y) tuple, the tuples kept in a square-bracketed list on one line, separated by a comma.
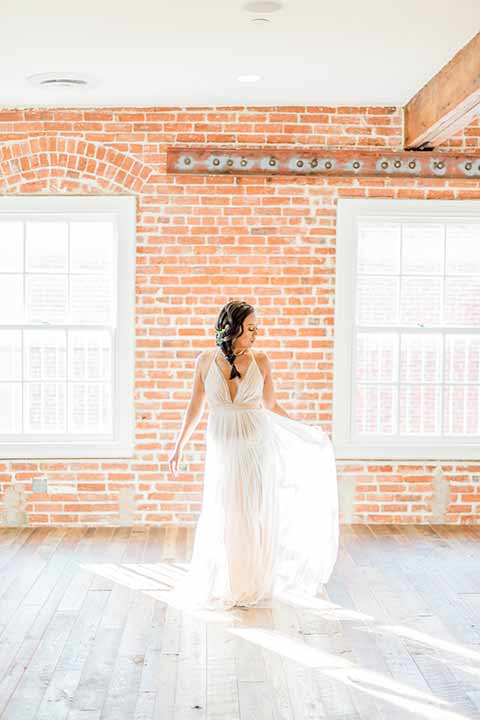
[(269, 518)]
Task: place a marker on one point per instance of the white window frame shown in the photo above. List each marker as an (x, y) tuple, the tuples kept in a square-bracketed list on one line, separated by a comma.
[(349, 212), (122, 210)]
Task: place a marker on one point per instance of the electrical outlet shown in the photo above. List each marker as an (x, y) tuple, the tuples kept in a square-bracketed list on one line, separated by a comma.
[(39, 485)]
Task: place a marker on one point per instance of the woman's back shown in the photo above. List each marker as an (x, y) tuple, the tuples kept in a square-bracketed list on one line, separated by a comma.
[(243, 393)]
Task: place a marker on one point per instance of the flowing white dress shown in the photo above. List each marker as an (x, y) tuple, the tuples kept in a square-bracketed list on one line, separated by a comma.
[(269, 518)]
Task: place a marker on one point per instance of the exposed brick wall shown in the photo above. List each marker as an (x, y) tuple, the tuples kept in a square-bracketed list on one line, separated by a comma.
[(201, 241)]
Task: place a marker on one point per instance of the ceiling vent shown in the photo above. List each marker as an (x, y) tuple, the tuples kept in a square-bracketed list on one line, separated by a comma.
[(60, 80), (263, 7)]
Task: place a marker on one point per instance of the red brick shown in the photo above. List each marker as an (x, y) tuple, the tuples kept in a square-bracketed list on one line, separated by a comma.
[(237, 235)]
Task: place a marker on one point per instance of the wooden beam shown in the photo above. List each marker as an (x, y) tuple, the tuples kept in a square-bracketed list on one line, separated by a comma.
[(447, 103), (320, 163)]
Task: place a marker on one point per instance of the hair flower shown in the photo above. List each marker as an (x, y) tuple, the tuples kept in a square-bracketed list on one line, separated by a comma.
[(220, 334)]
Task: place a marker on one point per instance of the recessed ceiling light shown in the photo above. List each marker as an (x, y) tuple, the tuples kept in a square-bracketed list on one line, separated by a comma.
[(263, 7), (249, 78), (60, 80), (261, 21)]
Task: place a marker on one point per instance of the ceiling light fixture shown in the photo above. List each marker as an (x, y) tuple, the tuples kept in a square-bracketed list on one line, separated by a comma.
[(249, 78)]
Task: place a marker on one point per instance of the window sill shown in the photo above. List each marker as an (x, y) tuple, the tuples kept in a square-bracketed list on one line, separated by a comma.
[(58, 452), (352, 451)]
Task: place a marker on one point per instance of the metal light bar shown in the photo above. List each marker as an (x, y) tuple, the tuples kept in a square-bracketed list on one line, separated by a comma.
[(321, 163)]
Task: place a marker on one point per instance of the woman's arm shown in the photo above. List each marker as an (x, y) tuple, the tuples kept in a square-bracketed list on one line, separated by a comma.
[(192, 415), (269, 399)]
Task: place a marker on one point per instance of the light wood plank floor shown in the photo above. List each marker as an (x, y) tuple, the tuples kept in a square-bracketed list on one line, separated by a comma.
[(87, 631)]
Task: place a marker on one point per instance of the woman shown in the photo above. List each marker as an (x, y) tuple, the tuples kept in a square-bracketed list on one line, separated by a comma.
[(269, 519)]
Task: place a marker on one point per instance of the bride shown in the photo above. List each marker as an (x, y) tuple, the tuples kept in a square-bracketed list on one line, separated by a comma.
[(269, 519)]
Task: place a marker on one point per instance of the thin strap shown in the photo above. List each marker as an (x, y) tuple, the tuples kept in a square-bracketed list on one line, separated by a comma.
[(214, 355), (254, 359)]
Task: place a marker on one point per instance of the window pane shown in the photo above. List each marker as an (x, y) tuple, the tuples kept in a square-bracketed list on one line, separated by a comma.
[(89, 355), (422, 249), (10, 354), (419, 407), (378, 248), (377, 300), (462, 301), (46, 246), (462, 358), (46, 298), (90, 408), (463, 249), (421, 301), (11, 246), (91, 247), (375, 409), (60, 261), (461, 412), (421, 358), (45, 407), (91, 299), (10, 407), (425, 275), (377, 357), (11, 299), (45, 354)]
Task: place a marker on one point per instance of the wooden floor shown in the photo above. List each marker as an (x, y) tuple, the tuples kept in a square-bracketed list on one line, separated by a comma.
[(87, 632)]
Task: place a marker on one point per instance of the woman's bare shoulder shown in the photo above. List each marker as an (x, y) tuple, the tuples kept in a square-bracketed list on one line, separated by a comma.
[(261, 359), (205, 354), (260, 355), (204, 357)]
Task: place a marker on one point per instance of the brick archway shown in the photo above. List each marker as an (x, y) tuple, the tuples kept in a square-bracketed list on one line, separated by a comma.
[(60, 164)]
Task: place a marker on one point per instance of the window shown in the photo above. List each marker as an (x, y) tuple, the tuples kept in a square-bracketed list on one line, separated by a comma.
[(407, 330), (67, 270)]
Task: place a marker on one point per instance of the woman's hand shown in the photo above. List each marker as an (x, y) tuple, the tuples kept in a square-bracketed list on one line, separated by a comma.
[(192, 415), (174, 460)]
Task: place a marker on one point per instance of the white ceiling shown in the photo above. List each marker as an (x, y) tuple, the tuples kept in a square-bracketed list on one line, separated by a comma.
[(190, 52)]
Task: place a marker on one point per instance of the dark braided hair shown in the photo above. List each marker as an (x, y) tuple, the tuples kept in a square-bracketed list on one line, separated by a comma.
[(229, 326)]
